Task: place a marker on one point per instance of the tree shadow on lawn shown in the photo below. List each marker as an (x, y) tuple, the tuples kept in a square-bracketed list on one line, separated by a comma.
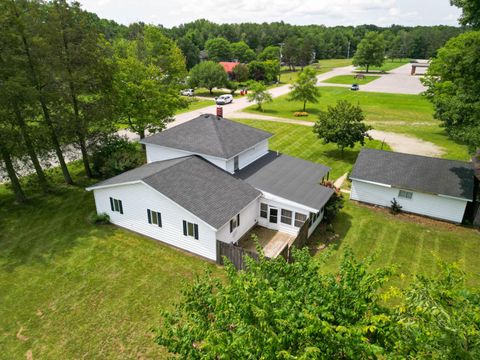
[(324, 238), (46, 226), (347, 156)]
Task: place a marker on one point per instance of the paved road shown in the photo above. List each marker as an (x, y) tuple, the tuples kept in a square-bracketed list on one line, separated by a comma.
[(397, 81)]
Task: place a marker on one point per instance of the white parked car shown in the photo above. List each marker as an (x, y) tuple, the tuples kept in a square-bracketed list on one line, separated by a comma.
[(187, 92), (224, 99)]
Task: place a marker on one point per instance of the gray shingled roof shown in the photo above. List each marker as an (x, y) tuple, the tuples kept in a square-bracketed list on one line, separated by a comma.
[(414, 172), (210, 135), (195, 184), (290, 178)]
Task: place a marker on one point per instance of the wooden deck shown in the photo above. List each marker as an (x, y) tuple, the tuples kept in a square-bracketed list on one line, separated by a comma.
[(272, 241)]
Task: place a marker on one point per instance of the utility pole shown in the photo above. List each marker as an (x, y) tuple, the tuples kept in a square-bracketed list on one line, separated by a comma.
[(348, 50), (280, 72)]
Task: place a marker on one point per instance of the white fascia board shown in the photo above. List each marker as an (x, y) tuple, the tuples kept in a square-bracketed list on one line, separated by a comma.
[(372, 182), (454, 197), (280, 199), (95, 187)]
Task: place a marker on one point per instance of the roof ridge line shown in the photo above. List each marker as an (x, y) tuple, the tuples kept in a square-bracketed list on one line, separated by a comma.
[(418, 155), (177, 160), (218, 133)]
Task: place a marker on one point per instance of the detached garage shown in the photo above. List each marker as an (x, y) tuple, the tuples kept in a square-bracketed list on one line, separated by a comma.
[(433, 187)]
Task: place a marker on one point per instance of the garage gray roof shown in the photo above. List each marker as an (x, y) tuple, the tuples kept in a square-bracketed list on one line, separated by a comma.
[(210, 135), (414, 172), (290, 178), (195, 184)]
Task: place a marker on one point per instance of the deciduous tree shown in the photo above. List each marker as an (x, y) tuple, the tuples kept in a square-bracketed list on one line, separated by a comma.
[(218, 49), (242, 52), (305, 88), (208, 74), (370, 51), (280, 310), (147, 81), (453, 87), (258, 93), (470, 12), (342, 125)]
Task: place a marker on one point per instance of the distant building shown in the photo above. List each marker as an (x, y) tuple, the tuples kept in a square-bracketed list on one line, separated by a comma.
[(228, 66)]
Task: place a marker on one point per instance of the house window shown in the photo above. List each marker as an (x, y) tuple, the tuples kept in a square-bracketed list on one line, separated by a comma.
[(116, 205), (405, 194), (300, 219), (314, 217), (190, 229), (235, 164), (235, 222), (286, 217), (154, 217), (263, 210)]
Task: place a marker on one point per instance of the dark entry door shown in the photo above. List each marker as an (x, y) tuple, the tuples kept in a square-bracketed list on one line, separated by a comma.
[(273, 218)]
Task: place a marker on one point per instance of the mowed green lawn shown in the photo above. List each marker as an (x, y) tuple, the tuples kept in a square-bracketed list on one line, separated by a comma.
[(350, 79), (406, 114), (401, 240), (288, 77), (195, 104), (387, 65), (300, 141), (71, 290)]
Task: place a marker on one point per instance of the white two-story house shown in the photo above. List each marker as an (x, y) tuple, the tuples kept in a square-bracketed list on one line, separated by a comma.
[(211, 179)]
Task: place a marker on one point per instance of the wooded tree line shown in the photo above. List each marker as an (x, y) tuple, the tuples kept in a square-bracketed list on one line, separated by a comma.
[(64, 86), (302, 41)]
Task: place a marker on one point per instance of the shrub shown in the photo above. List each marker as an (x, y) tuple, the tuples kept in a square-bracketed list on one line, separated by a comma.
[(300, 113), (114, 156), (395, 208), (99, 219), (334, 204)]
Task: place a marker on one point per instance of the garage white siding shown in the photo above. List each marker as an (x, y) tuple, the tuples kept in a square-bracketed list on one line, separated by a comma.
[(137, 198), (434, 206), (248, 218), (159, 153)]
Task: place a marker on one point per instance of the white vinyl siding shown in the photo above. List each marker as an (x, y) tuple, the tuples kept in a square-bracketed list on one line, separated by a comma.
[(434, 206), (137, 198), (282, 225), (248, 156), (248, 218), (160, 153)]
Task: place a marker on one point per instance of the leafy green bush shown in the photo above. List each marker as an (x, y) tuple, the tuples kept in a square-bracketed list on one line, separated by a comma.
[(114, 156), (99, 219), (334, 204), (280, 310)]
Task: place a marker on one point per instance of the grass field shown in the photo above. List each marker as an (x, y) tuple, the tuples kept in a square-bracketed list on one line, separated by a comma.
[(300, 141), (387, 65), (71, 290), (406, 114), (350, 79), (401, 240), (288, 77), (196, 104)]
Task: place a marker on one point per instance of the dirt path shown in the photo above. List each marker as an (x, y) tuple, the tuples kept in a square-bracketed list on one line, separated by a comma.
[(398, 142), (407, 144)]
